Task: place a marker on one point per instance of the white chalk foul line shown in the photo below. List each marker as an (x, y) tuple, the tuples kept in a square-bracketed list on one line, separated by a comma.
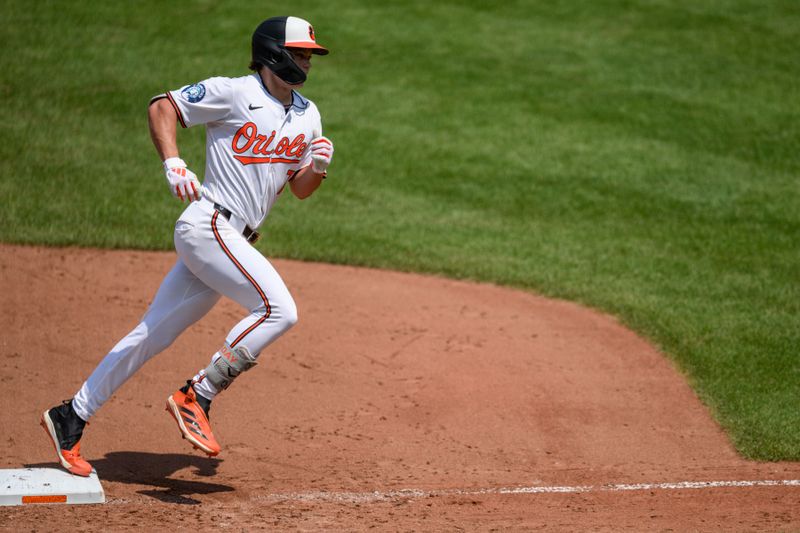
[(648, 486), (407, 494)]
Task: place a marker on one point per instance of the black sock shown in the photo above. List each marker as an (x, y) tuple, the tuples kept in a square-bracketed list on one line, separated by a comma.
[(203, 402)]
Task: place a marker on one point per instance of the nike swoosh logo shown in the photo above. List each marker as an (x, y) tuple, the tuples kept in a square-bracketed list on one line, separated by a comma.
[(252, 107)]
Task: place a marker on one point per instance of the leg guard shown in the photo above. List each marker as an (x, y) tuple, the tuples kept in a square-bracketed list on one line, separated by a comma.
[(232, 362)]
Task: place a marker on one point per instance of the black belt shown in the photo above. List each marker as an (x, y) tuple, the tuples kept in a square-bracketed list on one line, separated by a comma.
[(248, 233)]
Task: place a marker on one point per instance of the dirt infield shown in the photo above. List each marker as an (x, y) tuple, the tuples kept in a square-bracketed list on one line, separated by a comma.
[(399, 402)]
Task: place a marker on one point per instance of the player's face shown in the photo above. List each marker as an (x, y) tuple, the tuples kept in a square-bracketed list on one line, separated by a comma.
[(301, 56)]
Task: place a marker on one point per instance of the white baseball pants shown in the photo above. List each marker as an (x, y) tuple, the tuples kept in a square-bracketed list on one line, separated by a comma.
[(214, 259)]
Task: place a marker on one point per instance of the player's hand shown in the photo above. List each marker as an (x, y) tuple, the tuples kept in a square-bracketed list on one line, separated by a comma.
[(183, 182), (321, 152)]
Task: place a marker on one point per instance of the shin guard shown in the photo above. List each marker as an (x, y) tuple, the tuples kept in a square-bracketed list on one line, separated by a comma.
[(227, 367)]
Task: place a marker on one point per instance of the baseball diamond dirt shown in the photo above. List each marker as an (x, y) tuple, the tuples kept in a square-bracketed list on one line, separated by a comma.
[(399, 402)]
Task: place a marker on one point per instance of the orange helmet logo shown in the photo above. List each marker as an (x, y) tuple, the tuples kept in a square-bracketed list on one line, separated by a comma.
[(311, 32)]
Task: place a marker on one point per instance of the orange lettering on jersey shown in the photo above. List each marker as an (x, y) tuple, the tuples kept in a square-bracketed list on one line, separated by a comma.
[(269, 141), (247, 138), (297, 147), (248, 131), (258, 144), (282, 145)]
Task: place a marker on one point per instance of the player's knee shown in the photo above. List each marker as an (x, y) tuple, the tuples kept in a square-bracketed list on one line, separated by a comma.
[(281, 314), (288, 314)]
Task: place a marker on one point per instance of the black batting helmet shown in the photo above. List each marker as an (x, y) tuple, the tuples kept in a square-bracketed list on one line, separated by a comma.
[(271, 39)]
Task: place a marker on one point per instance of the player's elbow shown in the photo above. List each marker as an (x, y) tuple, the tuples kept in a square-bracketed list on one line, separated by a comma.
[(302, 195), (301, 190)]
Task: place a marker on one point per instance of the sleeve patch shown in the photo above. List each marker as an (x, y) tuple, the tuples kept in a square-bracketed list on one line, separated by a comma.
[(194, 93)]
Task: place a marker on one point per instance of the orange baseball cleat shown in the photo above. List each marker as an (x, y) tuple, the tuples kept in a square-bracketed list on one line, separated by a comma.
[(65, 429), (192, 420)]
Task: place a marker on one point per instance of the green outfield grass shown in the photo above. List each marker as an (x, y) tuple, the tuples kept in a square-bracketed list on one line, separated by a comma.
[(640, 157)]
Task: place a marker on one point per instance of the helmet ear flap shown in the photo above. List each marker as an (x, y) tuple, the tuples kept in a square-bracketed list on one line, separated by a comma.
[(269, 52), (286, 69)]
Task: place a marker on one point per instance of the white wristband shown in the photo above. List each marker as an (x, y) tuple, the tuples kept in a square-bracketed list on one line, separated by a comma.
[(173, 162)]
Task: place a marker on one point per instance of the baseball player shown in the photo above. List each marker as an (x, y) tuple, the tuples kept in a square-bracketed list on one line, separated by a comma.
[(261, 136)]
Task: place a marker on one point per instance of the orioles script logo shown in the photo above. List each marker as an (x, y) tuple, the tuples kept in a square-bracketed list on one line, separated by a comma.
[(247, 138)]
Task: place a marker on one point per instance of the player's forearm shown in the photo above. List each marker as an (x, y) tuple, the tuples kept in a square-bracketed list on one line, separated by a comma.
[(163, 128), (305, 182)]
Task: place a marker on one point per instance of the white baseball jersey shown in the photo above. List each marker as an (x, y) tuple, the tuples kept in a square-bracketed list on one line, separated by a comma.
[(254, 145)]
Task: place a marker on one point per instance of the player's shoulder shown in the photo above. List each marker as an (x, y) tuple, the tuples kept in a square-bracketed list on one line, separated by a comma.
[(212, 85), (215, 80), (232, 82), (247, 79), (249, 84), (239, 85)]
